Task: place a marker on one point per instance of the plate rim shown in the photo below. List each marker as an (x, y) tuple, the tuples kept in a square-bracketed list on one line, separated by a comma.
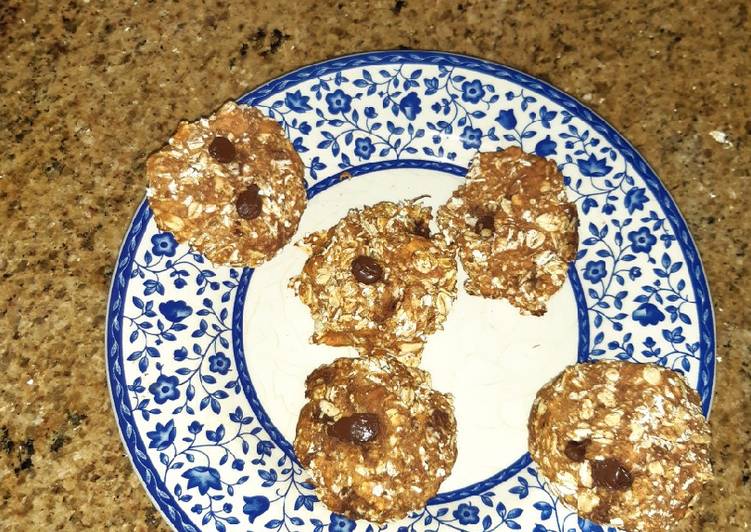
[(114, 305)]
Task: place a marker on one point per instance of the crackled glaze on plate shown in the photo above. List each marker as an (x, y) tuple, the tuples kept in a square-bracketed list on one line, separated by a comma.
[(206, 363)]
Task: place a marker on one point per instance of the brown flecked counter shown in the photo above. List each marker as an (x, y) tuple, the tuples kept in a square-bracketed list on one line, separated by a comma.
[(88, 89)]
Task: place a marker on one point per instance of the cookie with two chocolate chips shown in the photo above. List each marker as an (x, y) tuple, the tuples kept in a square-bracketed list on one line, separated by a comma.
[(624, 444), (377, 440), (230, 186)]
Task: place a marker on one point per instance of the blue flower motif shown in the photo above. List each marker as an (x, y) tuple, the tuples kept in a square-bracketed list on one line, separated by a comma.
[(472, 91), (648, 314), (595, 270), (175, 310), (608, 208), (364, 148), (219, 363), (467, 514), (471, 137), (339, 523), (339, 102), (593, 167), (180, 354), (165, 389), (545, 147), (195, 427), (203, 478), (642, 240), (238, 463), (297, 102), (410, 106), (507, 119), (255, 506), (163, 245), (635, 200), (162, 436), (634, 273)]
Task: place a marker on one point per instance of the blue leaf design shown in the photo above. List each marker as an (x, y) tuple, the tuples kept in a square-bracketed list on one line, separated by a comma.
[(546, 510)]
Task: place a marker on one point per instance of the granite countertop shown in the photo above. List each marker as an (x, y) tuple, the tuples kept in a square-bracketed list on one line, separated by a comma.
[(88, 89)]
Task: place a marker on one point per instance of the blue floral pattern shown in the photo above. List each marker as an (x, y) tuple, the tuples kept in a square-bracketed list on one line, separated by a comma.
[(202, 450), (163, 245)]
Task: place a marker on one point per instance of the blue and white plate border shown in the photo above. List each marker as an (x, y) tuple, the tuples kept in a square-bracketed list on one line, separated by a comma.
[(133, 441)]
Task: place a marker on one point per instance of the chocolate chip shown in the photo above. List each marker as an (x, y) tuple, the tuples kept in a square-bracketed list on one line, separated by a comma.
[(249, 203), (357, 428), (575, 450), (222, 149), (367, 270), (421, 229), (485, 225), (611, 473)]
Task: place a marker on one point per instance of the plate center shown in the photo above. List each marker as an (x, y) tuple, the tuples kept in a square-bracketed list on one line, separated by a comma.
[(489, 357)]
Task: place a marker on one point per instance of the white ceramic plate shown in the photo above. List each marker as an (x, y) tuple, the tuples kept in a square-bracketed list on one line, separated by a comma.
[(207, 364)]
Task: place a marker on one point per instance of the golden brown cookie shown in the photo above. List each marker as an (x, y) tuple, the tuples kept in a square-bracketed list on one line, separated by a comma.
[(231, 186), (624, 444), (376, 438), (378, 280), (514, 228)]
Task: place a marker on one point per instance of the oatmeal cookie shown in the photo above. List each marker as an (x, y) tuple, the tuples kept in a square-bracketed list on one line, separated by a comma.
[(231, 186), (625, 444), (514, 228), (378, 280), (376, 438)]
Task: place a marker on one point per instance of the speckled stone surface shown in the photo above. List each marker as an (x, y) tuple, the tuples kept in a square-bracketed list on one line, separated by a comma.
[(88, 89)]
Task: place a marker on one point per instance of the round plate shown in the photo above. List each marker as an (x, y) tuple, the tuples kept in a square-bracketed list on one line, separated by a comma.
[(207, 364)]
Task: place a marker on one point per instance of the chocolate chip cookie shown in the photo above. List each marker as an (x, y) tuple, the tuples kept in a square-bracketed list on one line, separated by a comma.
[(378, 280), (624, 444), (376, 438), (230, 185), (514, 228)]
